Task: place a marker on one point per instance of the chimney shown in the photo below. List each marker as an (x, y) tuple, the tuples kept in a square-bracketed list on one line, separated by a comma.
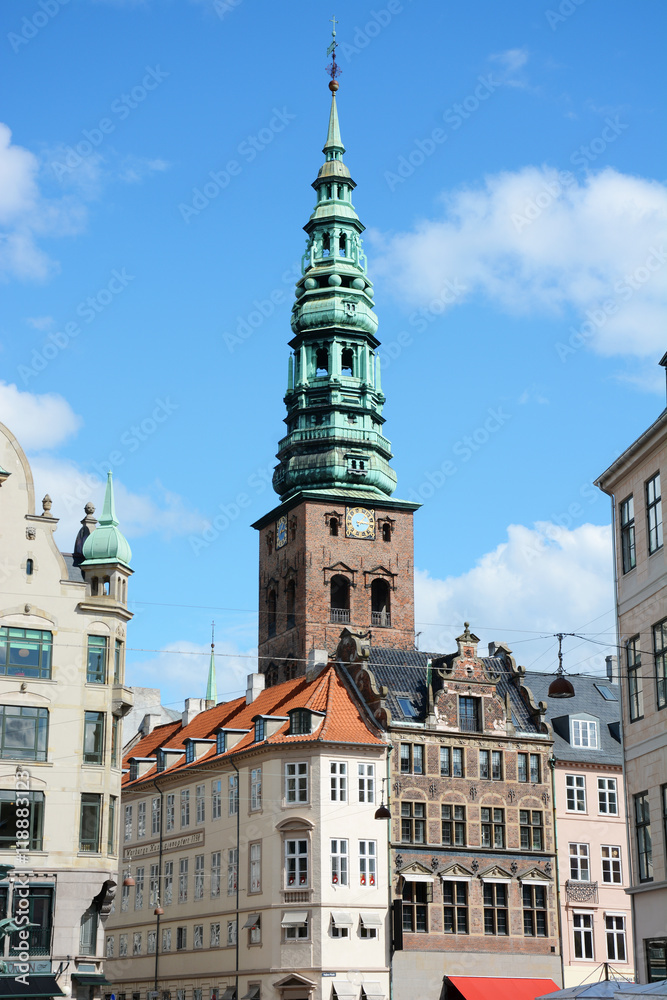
[(317, 661), (612, 669), (492, 649), (256, 684), (149, 722), (193, 706)]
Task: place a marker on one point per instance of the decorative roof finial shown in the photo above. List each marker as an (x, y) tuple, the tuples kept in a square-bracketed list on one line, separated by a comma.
[(333, 69), (211, 687)]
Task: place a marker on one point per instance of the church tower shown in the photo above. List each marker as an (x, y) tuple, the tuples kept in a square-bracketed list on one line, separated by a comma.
[(338, 550)]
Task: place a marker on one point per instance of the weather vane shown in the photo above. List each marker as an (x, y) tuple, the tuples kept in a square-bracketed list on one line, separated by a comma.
[(333, 69)]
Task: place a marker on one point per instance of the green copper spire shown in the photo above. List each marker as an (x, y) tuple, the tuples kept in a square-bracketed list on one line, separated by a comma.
[(107, 544), (211, 687), (334, 401)]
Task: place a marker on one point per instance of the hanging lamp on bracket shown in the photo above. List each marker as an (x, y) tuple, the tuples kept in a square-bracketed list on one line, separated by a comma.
[(560, 686), (128, 881), (382, 811)]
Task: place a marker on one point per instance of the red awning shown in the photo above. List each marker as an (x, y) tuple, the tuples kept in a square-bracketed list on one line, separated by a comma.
[(502, 989)]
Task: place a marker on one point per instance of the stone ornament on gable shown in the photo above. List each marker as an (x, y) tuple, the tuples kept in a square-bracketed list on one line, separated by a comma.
[(47, 504), (30, 534)]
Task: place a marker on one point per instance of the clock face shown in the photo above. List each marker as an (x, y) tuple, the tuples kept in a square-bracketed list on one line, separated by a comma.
[(359, 522), (281, 532)]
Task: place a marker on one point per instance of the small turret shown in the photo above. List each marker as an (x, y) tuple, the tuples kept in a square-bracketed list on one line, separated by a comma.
[(106, 553)]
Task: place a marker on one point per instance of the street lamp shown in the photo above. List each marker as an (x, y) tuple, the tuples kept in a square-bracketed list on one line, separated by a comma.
[(560, 686)]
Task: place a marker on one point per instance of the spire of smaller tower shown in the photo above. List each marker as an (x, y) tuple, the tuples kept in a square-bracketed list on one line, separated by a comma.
[(109, 507), (107, 544), (334, 142), (211, 687)]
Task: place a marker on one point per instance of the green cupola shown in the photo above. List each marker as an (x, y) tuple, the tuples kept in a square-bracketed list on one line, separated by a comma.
[(107, 544), (334, 397)]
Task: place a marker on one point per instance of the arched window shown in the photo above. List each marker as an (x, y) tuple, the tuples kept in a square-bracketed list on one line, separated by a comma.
[(291, 604), (290, 671), (342, 245), (333, 526), (29, 566), (322, 361), (94, 586), (386, 532), (326, 243), (271, 675), (272, 611), (106, 587), (346, 361), (340, 599), (380, 603)]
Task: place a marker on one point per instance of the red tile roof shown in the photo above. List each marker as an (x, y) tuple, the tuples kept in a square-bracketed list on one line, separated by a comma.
[(344, 722)]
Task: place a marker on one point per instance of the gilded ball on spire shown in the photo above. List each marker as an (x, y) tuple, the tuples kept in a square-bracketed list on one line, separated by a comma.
[(333, 86)]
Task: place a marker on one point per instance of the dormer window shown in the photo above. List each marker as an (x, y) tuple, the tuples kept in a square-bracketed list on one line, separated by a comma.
[(300, 722), (161, 761), (189, 751), (585, 734), (220, 742), (260, 730), (134, 770)]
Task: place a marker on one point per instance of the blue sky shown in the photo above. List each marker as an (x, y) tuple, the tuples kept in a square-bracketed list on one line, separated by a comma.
[(156, 160)]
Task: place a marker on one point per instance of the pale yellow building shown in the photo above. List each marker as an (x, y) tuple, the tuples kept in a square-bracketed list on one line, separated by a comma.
[(634, 482), (63, 620)]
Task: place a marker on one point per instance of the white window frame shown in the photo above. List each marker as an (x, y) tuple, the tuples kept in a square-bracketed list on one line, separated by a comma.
[(153, 885), (168, 881), (255, 858), (338, 780), (366, 779), (296, 783), (200, 804), (300, 932), (151, 942), (141, 820), (155, 817), (122, 946), (233, 794), (216, 869), (340, 861), (614, 866), (583, 932), (297, 861), (199, 876), (232, 870), (166, 939), (255, 789), (616, 933), (170, 818), (185, 808), (575, 792), (607, 796), (214, 934), (183, 878), (578, 856), (232, 931), (108, 949), (128, 824), (198, 936), (216, 799), (137, 941), (582, 730), (368, 863)]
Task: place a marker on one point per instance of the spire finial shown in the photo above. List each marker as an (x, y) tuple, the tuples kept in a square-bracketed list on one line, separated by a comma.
[(333, 69), (211, 687)]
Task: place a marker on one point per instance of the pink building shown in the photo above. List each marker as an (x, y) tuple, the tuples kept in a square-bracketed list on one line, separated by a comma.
[(591, 826)]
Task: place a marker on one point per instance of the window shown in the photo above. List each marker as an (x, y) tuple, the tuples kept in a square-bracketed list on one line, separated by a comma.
[(416, 897), (171, 812), (643, 831), (457, 762), (607, 799), (108, 950), (21, 820), (333, 527), (89, 832), (155, 817), (455, 913), (216, 799), (294, 931), (220, 741), (615, 934), (260, 730), (575, 788), (660, 657), (141, 820), (413, 822), (484, 764), (491, 764), (628, 554), (534, 899), (153, 886), (181, 938), (580, 870), (88, 932), (200, 803), (445, 762), (125, 899), (116, 741), (656, 960), (215, 935), (453, 825), (272, 612), (122, 946), (300, 722), (29, 567), (611, 865), (232, 870), (183, 880), (96, 672), (340, 599), (198, 936), (215, 873), (151, 942), (663, 793), (40, 914), (654, 513), (256, 867), (233, 794), (338, 772), (231, 932), (134, 769), (23, 732), (339, 862), (367, 862), (528, 767), (185, 807), (584, 734), (166, 939), (118, 662), (493, 827), (136, 943), (380, 604), (255, 789), (199, 876), (322, 354), (635, 686), (296, 862), (366, 774), (412, 758), (469, 714), (111, 827), (582, 928), (25, 652), (296, 782), (189, 751), (139, 889), (368, 925), (531, 830), (495, 909), (168, 883)]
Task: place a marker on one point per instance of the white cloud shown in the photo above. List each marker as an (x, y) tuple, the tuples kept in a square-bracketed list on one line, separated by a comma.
[(539, 241), (40, 322), (545, 579), (180, 670), (37, 420), (508, 64)]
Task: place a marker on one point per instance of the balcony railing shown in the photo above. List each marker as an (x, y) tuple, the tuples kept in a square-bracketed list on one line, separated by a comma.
[(468, 725), (339, 615), (581, 892), (382, 618)]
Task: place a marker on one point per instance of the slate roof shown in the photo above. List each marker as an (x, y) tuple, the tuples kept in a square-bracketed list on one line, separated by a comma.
[(403, 671), (588, 700), (74, 573)]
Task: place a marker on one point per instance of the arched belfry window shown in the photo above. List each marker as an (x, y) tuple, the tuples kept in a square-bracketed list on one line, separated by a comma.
[(386, 532), (291, 604), (380, 603), (347, 361), (326, 245), (322, 361), (342, 245), (340, 599), (333, 526), (271, 611)]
